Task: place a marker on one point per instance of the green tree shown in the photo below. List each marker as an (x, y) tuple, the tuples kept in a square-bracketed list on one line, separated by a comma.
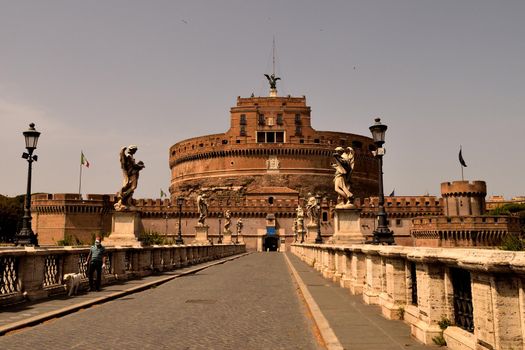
[(11, 212)]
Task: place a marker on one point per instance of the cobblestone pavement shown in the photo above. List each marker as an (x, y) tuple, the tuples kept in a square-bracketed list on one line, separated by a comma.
[(248, 303), (358, 326)]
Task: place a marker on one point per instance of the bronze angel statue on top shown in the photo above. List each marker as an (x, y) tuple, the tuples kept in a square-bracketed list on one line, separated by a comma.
[(272, 79)]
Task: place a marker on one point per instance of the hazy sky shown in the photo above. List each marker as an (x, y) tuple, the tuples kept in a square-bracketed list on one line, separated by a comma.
[(97, 75)]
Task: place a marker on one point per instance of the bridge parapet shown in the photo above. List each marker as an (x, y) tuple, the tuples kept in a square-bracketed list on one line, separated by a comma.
[(479, 291), (35, 273)]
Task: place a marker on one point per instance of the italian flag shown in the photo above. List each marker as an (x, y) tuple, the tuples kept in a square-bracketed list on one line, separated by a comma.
[(83, 160)]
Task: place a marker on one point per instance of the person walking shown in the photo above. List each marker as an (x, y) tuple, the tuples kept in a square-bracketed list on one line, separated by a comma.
[(96, 262)]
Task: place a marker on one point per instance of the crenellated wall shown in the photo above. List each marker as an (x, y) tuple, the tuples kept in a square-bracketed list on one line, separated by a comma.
[(58, 216)]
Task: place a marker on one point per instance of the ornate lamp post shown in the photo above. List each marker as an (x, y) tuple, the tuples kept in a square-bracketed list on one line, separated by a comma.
[(220, 226), (180, 202), (382, 234), (318, 239), (26, 235)]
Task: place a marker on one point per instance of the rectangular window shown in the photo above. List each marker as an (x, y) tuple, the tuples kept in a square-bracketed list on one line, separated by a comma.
[(243, 119), (243, 130), (261, 119), (270, 137), (297, 119), (279, 119), (261, 137), (298, 130), (279, 137)]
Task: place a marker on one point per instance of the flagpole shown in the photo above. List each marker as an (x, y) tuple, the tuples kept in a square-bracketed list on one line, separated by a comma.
[(461, 165), (80, 178)]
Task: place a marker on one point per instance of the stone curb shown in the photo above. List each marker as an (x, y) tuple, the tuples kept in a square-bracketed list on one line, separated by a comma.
[(330, 339), (32, 321)]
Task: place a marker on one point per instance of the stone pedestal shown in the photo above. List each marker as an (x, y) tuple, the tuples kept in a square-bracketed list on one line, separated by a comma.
[(347, 226), (201, 234), (126, 228), (227, 237), (311, 233)]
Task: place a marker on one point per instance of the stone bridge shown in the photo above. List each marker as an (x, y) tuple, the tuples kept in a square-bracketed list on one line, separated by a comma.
[(219, 297)]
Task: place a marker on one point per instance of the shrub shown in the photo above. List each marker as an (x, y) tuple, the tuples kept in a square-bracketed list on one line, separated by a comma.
[(69, 240), (151, 238), (513, 243)]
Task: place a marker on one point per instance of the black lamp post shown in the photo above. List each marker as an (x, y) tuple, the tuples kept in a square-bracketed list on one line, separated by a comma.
[(318, 239), (382, 234), (26, 235), (237, 235), (220, 226), (166, 216), (180, 202)]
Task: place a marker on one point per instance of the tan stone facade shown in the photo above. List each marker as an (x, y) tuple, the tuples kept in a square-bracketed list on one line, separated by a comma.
[(58, 216)]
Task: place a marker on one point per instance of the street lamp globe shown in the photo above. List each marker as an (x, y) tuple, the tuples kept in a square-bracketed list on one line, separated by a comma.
[(378, 131), (180, 201), (31, 136)]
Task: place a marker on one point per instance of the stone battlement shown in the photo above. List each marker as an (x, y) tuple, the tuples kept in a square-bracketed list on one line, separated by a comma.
[(457, 188), (402, 206)]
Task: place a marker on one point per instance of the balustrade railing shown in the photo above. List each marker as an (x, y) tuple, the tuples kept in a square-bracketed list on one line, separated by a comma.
[(51, 270), (476, 294), (33, 273), (8, 275)]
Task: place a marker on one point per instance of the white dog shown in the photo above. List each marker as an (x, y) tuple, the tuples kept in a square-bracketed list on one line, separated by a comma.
[(72, 282)]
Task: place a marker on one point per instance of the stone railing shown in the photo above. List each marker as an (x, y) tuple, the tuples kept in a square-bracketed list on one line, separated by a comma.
[(478, 293), (36, 273)]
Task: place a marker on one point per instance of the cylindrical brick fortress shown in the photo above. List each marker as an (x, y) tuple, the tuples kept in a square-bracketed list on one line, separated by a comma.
[(270, 143), (463, 198)]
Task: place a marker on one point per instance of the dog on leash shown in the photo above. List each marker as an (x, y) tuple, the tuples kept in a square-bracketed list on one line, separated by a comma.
[(72, 282)]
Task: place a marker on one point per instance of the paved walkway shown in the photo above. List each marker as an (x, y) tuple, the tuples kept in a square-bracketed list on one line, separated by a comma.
[(247, 303), (243, 302), (356, 325)]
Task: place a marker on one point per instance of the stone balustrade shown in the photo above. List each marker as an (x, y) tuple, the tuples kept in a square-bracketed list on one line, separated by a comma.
[(479, 293), (35, 273)]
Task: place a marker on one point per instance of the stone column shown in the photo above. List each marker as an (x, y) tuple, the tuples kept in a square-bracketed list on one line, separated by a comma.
[(329, 268), (340, 265), (358, 272), (394, 297), (372, 287), (31, 275), (434, 300), (346, 262), (119, 263)]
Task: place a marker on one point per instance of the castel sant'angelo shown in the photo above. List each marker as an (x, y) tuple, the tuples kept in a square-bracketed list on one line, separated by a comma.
[(270, 144), (266, 165)]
